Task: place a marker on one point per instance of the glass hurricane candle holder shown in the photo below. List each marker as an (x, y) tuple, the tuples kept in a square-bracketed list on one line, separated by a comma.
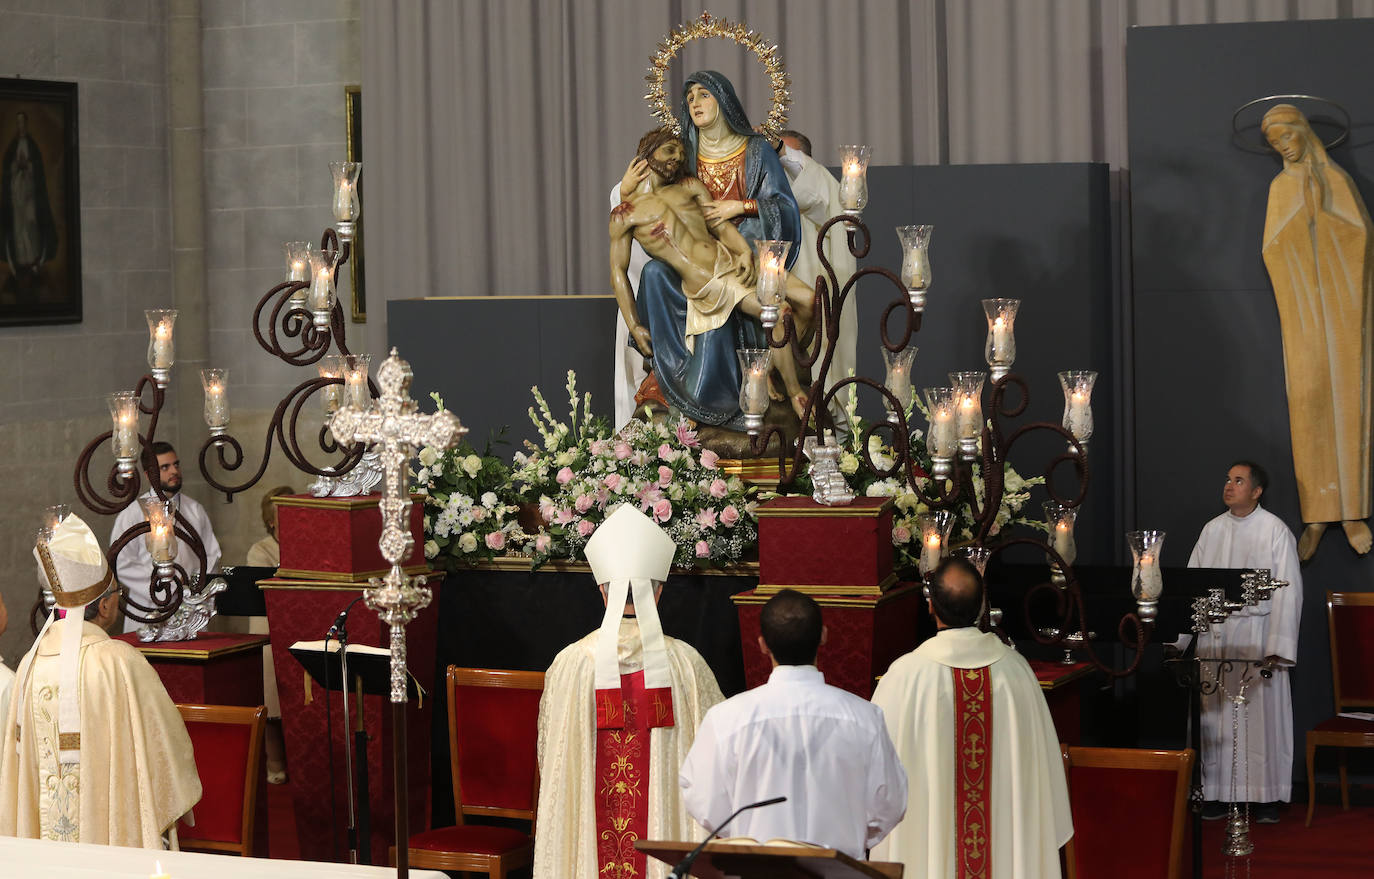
[(124, 429), (916, 263), (298, 266), (1060, 520), (935, 526), (854, 177), (215, 383), (346, 205), (1000, 348), (161, 349), (53, 516), (1146, 581), (942, 439), (356, 392), (898, 380), (1078, 404), (968, 409), (331, 366), (161, 537), (772, 266), (978, 556), (753, 386), (320, 299)]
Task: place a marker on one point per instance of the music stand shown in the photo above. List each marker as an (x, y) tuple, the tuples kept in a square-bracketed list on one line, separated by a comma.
[(721, 859)]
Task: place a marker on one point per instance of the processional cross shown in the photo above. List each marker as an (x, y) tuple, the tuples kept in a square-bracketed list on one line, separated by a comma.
[(396, 429)]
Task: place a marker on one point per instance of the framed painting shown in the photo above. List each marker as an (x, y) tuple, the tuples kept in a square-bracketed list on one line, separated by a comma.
[(40, 204), (353, 114)]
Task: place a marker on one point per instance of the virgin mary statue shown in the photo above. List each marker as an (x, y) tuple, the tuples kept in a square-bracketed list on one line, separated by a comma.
[(1317, 251), (746, 180)]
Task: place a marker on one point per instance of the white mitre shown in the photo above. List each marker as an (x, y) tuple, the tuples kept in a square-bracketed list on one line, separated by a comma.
[(628, 554), (76, 571)]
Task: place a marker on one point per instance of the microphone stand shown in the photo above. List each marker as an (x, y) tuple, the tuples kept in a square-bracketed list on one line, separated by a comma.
[(340, 632), (684, 867)]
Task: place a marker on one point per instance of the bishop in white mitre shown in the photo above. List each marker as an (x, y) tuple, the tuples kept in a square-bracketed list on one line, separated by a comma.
[(1249, 536), (93, 749), (619, 712)]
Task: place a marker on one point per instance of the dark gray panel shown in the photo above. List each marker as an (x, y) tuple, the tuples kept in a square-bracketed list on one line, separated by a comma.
[(483, 354)]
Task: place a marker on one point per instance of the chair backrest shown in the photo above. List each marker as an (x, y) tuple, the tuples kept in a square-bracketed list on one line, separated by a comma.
[(227, 740), (1112, 789), (493, 730), (1351, 617)]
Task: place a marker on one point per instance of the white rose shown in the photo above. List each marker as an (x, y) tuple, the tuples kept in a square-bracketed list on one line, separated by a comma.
[(489, 499), (428, 456), (564, 458), (472, 465), (431, 549), (468, 542)]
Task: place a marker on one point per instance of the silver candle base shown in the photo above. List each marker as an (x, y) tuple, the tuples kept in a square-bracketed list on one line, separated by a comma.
[(941, 468), (1082, 443), (344, 229), (753, 424), (917, 299), (768, 316), (219, 431), (320, 319), (998, 371), (124, 466), (162, 375), (968, 448), (1147, 610)]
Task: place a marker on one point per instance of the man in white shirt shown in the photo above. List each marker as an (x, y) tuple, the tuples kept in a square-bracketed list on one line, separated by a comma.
[(1249, 536), (825, 749), (134, 567)]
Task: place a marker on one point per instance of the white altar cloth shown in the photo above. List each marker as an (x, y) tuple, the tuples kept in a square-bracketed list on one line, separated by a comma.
[(43, 859)]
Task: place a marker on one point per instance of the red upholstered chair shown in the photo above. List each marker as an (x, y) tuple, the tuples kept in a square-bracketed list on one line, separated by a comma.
[(1351, 617), (227, 740), (1111, 789), (493, 724)]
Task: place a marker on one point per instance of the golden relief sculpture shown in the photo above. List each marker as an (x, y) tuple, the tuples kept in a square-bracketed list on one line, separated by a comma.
[(1316, 249)]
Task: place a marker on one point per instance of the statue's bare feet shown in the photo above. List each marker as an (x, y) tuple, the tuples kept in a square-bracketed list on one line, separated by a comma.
[(774, 394), (799, 406), (1357, 532), (1311, 536)]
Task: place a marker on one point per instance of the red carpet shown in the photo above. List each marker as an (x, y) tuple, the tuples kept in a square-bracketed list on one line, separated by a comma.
[(1337, 844)]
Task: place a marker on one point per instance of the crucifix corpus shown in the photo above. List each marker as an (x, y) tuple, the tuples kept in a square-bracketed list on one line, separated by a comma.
[(394, 427)]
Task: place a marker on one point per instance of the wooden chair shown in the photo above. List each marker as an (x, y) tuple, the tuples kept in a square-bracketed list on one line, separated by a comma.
[(493, 721), (227, 740), (1350, 616), (1113, 789)]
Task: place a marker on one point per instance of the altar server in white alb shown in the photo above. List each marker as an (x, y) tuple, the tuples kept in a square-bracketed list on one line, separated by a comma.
[(93, 749), (1249, 536), (1000, 812), (619, 711), (823, 748)]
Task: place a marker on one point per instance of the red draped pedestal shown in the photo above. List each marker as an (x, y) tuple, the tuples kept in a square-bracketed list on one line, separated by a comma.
[(335, 538), (213, 669), (1060, 684)]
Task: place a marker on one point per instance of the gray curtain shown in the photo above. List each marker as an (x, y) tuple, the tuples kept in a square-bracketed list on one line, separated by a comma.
[(494, 129)]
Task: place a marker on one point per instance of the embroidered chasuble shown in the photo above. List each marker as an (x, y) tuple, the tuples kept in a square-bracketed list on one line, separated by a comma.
[(987, 794), (608, 768)]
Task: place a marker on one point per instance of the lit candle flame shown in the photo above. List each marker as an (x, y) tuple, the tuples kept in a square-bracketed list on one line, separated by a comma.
[(163, 331), (933, 541)]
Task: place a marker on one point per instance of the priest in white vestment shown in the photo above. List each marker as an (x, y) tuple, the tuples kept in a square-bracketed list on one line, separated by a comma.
[(1249, 536), (93, 750), (619, 710), (823, 748), (1002, 811)]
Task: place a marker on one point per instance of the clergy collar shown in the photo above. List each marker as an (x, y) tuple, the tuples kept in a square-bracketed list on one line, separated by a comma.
[(1247, 517), (796, 674), (965, 647)]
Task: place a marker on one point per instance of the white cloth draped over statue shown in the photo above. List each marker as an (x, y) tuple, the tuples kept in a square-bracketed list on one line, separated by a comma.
[(1029, 802), (566, 844), (137, 771), (1259, 540)]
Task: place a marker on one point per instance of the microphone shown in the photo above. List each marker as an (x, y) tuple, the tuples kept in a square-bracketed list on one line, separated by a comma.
[(337, 631), (684, 867)]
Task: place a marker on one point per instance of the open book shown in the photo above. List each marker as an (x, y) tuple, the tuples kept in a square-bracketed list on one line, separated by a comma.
[(369, 668)]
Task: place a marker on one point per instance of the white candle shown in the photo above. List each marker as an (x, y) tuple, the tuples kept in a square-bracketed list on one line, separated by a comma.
[(1001, 338), (216, 409), (126, 436), (160, 542), (942, 436), (357, 389), (930, 553), (158, 874), (321, 298), (343, 201), (916, 269), (162, 345), (1151, 582), (900, 386), (754, 399), (970, 416), (1080, 420), (298, 272), (1063, 542), (853, 186)]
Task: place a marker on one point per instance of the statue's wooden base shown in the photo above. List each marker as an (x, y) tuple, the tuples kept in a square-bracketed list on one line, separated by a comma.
[(721, 859)]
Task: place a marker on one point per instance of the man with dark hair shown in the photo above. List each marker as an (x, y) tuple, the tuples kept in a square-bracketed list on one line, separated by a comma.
[(1249, 536), (824, 749), (794, 140), (988, 795), (135, 566)]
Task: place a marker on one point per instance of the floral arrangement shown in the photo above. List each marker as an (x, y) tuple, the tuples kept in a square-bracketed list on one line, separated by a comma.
[(470, 515), (583, 472)]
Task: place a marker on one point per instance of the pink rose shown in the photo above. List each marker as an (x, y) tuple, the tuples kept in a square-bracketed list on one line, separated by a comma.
[(729, 516), (707, 518), (565, 476), (598, 447), (709, 459), (666, 452), (612, 481), (686, 435), (719, 488), (542, 542), (584, 502), (665, 475), (547, 509), (585, 528), (663, 510), (622, 451), (496, 540), (901, 534), (564, 516), (703, 549)]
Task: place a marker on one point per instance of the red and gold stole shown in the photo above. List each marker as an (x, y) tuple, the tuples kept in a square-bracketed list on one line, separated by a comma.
[(972, 771), (724, 178), (622, 772)]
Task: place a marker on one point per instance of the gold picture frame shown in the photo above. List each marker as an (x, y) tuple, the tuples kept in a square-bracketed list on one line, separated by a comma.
[(353, 110)]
